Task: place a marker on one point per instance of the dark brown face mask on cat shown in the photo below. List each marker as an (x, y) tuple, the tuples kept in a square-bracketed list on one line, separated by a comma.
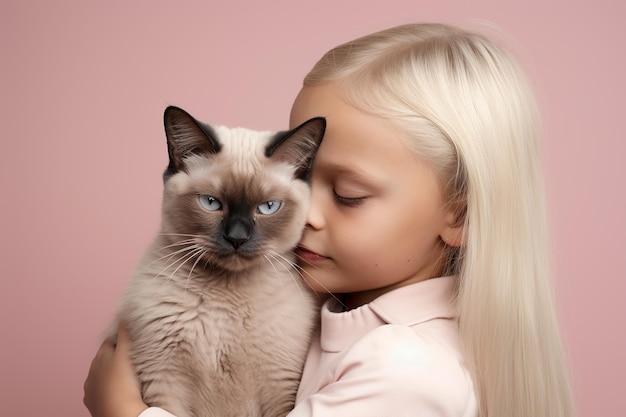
[(242, 213)]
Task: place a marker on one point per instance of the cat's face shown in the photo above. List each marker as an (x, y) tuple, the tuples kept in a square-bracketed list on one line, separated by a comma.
[(235, 196)]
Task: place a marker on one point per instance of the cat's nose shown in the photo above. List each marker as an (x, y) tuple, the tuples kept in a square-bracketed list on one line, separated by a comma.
[(237, 233), (236, 242)]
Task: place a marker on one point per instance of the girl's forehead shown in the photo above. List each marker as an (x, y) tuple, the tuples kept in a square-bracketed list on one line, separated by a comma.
[(343, 119), (356, 144), (325, 101), (313, 101)]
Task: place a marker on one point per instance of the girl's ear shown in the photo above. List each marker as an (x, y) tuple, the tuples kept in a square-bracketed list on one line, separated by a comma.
[(452, 235)]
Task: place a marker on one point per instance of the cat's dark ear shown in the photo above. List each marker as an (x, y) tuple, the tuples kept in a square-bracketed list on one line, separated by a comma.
[(185, 137), (298, 146)]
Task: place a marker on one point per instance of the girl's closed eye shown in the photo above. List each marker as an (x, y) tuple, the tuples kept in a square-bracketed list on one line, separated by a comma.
[(348, 201), (353, 190)]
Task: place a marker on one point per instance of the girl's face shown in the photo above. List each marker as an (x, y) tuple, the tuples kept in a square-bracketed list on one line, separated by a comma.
[(377, 219)]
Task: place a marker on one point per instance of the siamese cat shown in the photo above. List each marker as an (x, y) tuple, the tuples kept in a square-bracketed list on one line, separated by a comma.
[(216, 311)]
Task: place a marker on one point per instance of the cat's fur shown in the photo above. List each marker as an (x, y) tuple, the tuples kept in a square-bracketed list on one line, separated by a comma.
[(218, 320)]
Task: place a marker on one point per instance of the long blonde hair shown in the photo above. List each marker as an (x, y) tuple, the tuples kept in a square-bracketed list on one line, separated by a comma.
[(469, 111)]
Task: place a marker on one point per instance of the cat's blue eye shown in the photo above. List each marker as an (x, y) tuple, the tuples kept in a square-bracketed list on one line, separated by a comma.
[(269, 207), (209, 203)]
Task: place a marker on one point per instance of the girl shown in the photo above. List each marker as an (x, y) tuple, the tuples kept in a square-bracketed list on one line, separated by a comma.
[(427, 224)]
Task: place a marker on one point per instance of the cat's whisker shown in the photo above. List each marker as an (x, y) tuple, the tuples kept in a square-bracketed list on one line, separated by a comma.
[(284, 261), (178, 243), (172, 254), (183, 260), (273, 256), (199, 253), (188, 249), (164, 270), (301, 272), (280, 258), (188, 244), (290, 267), (269, 261), (179, 234)]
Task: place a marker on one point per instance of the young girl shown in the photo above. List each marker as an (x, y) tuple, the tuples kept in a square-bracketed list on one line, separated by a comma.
[(427, 224)]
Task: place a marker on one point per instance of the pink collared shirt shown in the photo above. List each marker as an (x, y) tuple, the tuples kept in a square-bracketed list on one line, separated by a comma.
[(396, 356)]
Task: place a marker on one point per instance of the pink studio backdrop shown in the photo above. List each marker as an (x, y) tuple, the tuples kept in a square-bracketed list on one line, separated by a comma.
[(82, 92)]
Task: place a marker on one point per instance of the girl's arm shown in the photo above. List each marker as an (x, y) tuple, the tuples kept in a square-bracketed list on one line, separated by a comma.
[(111, 387)]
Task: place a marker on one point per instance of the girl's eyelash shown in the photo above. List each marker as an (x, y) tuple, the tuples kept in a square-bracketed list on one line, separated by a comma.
[(348, 202)]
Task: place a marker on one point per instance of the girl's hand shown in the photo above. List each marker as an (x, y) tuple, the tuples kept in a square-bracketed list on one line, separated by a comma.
[(112, 388)]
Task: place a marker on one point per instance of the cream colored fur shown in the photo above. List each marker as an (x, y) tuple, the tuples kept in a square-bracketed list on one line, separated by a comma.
[(219, 333)]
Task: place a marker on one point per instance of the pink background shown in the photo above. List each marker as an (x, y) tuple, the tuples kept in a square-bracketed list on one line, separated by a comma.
[(82, 92)]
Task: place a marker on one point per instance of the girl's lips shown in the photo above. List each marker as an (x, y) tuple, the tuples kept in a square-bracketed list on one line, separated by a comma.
[(308, 255)]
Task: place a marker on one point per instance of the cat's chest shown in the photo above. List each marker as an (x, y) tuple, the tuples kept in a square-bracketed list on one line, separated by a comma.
[(194, 313), (213, 314)]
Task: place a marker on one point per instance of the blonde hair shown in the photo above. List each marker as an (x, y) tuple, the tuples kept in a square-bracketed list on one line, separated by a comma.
[(468, 110)]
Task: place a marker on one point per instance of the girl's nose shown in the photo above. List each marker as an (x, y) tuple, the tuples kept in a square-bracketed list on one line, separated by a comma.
[(315, 217)]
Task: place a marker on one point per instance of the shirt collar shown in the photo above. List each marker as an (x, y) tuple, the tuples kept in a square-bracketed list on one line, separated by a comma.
[(406, 306)]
